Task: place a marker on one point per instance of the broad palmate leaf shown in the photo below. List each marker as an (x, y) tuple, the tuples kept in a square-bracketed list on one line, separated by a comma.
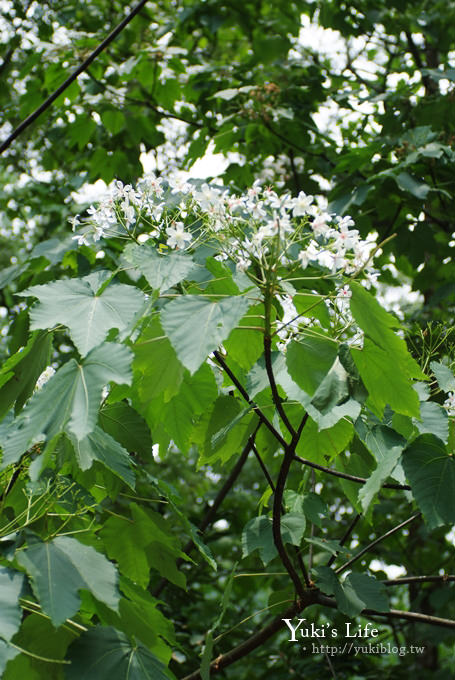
[(106, 654), (196, 325), (69, 401), (60, 568), (89, 316)]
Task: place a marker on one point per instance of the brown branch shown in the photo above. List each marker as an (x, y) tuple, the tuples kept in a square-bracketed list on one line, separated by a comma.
[(376, 541), (344, 475), (444, 578), (415, 617), (257, 639), (277, 504), (80, 69), (311, 597), (273, 386), (262, 417)]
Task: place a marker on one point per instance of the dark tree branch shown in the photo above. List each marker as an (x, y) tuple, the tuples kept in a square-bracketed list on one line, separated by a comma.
[(344, 475), (311, 597), (376, 541), (415, 617), (257, 639), (344, 538), (272, 486), (277, 504), (273, 386), (80, 69), (444, 578), (263, 418)]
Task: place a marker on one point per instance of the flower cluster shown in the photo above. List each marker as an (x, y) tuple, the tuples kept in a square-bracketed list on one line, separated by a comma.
[(259, 227)]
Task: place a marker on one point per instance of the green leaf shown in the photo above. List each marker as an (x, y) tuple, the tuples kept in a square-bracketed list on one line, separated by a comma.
[(20, 372), (60, 568), (333, 389), (139, 543), (357, 592), (69, 401), (162, 271), (318, 445), (7, 653), (11, 583), (327, 545), (100, 446), (444, 376), (156, 366), (431, 474), (88, 316), (387, 446), (411, 185), (434, 420), (258, 534), (309, 361), (126, 426), (372, 592), (196, 326), (103, 653), (386, 380)]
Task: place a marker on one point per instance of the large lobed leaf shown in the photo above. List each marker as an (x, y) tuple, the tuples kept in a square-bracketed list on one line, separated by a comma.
[(69, 401), (196, 325), (88, 314), (60, 568)]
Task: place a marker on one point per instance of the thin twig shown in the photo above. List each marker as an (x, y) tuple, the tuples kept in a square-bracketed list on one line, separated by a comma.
[(444, 578), (344, 538), (344, 475), (80, 69), (248, 399), (376, 541)]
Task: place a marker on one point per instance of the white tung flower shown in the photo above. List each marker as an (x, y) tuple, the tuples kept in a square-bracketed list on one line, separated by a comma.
[(301, 204), (177, 235)]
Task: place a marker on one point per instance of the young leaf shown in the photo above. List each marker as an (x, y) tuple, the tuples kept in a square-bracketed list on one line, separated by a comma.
[(89, 316), (196, 326), (60, 568)]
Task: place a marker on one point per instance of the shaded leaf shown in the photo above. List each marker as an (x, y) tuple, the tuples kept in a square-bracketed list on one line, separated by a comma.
[(103, 653), (431, 474), (60, 568)]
